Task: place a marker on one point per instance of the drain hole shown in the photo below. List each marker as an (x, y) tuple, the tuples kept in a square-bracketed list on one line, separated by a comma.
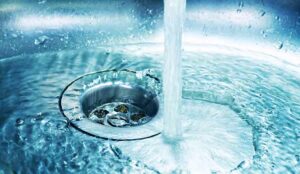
[(114, 104), (119, 105), (118, 114)]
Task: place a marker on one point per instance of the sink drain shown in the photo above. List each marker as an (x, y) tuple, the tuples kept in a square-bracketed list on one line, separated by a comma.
[(119, 105), (114, 104)]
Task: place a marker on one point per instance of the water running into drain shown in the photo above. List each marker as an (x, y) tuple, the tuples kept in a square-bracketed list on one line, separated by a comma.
[(173, 23)]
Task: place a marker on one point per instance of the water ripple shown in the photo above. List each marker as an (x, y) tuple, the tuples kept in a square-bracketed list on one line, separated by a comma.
[(35, 138)]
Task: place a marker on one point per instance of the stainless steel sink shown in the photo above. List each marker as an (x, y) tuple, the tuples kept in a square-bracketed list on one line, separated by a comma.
[(253, 105), (42, 26)]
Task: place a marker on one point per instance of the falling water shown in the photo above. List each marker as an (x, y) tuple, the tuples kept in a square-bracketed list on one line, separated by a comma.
[(173, 22)]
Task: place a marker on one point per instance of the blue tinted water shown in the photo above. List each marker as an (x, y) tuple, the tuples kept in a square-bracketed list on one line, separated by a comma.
[(36, 138), (174, 12)]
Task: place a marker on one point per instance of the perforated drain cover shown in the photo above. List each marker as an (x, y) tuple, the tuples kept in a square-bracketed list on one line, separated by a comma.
[(118, 105)]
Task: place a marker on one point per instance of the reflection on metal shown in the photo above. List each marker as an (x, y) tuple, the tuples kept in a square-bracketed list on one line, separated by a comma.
[(32, 22), (91, 24), (227, 17)]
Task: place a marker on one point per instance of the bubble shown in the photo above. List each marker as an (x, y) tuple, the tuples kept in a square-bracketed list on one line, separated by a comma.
[(19, 121), (65, 163)]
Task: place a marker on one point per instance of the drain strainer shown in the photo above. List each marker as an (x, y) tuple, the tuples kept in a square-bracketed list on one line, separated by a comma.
[(114, 104)]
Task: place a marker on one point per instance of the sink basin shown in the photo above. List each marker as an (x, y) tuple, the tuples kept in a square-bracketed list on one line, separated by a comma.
[(241, 87)]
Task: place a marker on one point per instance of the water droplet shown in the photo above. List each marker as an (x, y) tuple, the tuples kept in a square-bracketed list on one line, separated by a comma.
[(262, 13), (280, 45), (277, 18), (19, 121), (41, 40), (241, 4), (264, 33), (65, 163), (42, 1), (150, 11), (243, 164), (14, 35)]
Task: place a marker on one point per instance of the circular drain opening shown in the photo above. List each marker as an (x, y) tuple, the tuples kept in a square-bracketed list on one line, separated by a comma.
[(118, 105)]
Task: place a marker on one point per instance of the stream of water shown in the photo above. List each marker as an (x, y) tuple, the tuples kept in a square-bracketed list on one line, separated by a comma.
[(172, 78)]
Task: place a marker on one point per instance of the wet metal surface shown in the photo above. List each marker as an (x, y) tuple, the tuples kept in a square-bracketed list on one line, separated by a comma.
[(41, 26)]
